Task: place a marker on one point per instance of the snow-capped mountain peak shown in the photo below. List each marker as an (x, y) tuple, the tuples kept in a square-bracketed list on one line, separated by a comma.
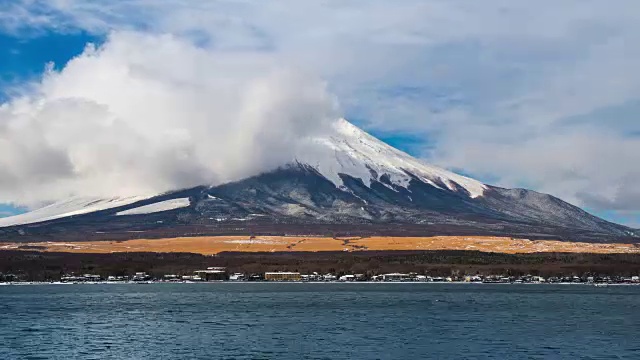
[(351, 151), (401, 196)]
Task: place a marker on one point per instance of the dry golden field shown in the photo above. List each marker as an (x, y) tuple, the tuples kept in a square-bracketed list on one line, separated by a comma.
[(217, 244)]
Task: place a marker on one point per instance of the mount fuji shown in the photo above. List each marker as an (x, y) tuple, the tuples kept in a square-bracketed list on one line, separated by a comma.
[(350, 184)]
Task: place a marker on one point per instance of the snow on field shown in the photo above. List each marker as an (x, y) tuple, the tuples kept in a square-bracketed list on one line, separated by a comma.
[(256, 241), (157, 207)]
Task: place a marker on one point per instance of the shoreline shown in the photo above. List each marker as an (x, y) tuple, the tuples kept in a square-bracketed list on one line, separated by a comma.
[(318, 283), (364, 265), (594, 284)]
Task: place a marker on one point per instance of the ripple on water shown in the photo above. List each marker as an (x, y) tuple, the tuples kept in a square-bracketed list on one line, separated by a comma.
[(323, 321)]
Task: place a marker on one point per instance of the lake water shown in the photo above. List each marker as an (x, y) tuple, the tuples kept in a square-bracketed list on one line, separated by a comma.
[(319, 321)]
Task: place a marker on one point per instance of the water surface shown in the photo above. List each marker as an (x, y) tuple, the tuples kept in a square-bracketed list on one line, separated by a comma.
[(319, 321)]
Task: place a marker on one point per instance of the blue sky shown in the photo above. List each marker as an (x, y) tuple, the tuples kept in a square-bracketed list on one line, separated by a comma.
[(538, 95), (23, 59)]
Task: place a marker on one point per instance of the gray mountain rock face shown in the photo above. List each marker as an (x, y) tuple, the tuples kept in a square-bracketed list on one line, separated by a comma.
[(297, 199)]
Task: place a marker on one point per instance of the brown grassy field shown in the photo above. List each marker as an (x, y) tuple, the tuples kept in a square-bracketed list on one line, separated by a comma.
[(218, 244)]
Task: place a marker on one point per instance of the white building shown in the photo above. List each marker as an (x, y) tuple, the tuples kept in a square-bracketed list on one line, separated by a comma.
[(396, 277), (237, 277), (329, 277)]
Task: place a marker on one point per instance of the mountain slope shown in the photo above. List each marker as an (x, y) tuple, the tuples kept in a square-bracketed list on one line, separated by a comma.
[(351, 183)]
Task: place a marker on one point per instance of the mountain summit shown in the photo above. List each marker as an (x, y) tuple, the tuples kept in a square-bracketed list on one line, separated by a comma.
[(359, 155), (348, 183)]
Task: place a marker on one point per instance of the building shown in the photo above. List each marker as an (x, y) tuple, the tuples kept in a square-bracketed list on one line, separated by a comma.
[(192, 278), (282, 276), (141, 276), (212, 273), (329, 277), (218, 268), (396, 277), (81, 278), (312, 277), (237, 277)]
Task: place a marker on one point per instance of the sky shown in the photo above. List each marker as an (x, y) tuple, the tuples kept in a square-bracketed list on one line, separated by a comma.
[(543, 95)]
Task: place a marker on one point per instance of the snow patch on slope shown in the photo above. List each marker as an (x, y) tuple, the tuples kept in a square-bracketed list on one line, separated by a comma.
[(69, 207), (353, 152), (157, 207)]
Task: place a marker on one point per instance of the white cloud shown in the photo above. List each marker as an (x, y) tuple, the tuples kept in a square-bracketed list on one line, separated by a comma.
[(149, 113), (496, 85)]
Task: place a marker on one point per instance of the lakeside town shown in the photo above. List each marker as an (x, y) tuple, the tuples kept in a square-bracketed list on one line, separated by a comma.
[(221, 274)]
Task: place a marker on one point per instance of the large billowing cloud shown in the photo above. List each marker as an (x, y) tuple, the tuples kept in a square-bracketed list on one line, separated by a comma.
[(542, 95), (148, 113)]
